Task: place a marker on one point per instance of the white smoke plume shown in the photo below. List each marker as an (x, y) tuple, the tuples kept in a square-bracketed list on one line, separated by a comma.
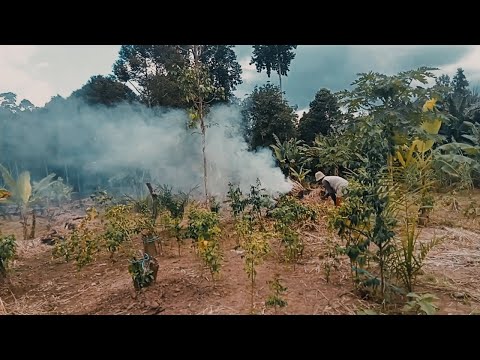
[(114, 141)]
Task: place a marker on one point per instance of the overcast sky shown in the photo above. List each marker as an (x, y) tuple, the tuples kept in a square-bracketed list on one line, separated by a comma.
[(38, 72)]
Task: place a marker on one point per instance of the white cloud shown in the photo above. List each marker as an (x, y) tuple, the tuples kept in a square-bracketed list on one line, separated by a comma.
[(470, 63), (300, 112), (249, 72), (16, 75)]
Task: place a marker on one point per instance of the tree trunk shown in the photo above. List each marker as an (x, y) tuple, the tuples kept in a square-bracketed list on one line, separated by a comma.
[(154, 202), (279, 72), (34, 222), (196, 57), (280, 81), (204, 165)]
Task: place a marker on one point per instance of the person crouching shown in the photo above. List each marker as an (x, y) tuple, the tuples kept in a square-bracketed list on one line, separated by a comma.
[(334, 186)]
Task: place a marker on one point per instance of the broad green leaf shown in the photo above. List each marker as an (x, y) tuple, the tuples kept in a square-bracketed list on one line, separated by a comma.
[(24, 188), (470, 137), (428, 308), (469, 149)]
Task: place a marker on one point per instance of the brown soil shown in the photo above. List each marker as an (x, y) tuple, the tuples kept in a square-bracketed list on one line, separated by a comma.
[(39, 284)]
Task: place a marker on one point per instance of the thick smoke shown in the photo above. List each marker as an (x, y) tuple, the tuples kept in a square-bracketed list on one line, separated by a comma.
[(149, 145)]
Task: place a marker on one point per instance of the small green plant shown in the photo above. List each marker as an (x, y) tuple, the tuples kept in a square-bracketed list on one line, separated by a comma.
[(289, 216), (203, 228), (102, 198), (256, 246), (275, 299), (211, 255), (451, 201), (173, 206), (472, 211), (331, 259), (142, 274), (174, 228), (82, 244), (421, 304), (8, 249), (175, 203), (122, 225), (214, 205), (258, 200), (236, 199)]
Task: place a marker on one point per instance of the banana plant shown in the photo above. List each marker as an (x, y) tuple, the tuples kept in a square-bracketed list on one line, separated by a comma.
[(459, 159), (23, 194), (300, 175), (417, 159), (20, 189), (289, 154)]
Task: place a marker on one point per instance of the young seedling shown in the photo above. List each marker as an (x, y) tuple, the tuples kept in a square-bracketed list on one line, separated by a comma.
[(275, 299)]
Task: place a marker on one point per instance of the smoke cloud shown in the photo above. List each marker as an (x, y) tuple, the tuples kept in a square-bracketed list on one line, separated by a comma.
[(132, 141)]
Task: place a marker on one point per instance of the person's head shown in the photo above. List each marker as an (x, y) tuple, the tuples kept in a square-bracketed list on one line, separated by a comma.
[(319, 176)]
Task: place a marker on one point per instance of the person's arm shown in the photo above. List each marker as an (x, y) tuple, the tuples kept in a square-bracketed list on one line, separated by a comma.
[(328, 188)]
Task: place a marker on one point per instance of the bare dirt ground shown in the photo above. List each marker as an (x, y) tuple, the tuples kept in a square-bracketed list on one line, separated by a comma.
[(39, 284)]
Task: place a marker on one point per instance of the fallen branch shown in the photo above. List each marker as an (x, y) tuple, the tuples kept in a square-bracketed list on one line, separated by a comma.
[(154, 201)]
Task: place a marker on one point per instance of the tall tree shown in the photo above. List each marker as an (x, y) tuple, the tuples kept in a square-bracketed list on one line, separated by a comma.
[(199, 91), (105, 91), (273, 57), (267, 113), (460, 83), (225, 72), (443, 80), (151, 69), (147, 69), (324, 112)]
